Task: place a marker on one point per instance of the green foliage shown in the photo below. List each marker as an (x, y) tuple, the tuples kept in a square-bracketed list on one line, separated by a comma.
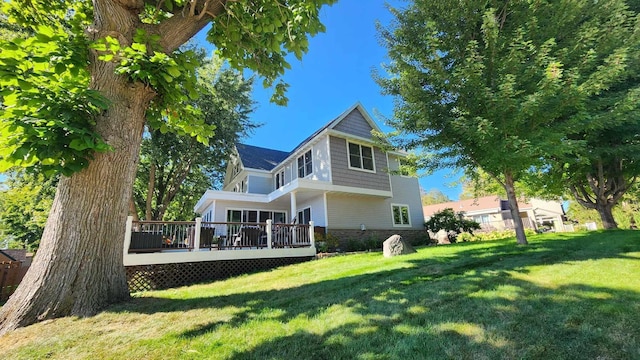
[(185, 167), (510, 86), (47, 110), (258, 35), (434, 196), (450, 221), (24, 207), (326, 243)]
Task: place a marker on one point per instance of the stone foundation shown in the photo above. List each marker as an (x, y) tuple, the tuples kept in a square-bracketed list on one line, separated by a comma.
[(414, 237)]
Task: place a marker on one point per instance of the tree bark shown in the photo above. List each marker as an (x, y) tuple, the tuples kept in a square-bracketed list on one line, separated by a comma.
[(606, 215), (509, 186), (78, 269), (151, 189)]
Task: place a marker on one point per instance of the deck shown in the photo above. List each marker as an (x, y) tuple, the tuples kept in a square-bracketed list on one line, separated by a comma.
[(172, 242)]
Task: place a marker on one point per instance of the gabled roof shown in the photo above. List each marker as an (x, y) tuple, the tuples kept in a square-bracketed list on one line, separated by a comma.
[(485, 203), (6, 254), (332, 124), (255, 157)]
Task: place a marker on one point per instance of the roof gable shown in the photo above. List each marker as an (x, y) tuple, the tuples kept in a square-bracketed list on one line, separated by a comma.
[(259, 158)]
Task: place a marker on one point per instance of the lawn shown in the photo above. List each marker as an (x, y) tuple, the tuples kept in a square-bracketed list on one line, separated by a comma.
[(565, 296)]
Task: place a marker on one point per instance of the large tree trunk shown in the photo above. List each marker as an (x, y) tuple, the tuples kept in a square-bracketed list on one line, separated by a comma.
[(515, 209), (78, 269), (606, 215)]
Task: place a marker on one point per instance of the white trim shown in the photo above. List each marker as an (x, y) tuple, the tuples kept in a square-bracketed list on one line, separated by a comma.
[(408, 215), (213, 255), (373, 157), (326, 210), (304, 164)]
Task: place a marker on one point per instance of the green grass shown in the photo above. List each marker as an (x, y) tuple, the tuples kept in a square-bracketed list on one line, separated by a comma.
[(565, 296)]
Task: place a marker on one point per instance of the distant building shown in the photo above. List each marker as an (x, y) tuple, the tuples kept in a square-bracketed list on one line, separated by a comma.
[(493, 213)]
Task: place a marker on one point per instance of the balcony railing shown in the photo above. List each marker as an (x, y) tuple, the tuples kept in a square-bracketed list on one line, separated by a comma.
[(166, 236)]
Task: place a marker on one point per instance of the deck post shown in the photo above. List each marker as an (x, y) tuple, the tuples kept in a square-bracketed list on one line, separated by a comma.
[(196, 240), (269, 233), (312, 234), (127, 234)]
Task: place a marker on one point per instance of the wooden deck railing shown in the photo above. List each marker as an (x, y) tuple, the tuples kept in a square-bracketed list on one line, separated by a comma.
[(161, 236)]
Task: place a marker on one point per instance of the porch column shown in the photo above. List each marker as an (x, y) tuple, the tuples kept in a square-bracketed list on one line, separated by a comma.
[(294, 206), (127, 234), (294, 213), (269, 233), (196, 236)]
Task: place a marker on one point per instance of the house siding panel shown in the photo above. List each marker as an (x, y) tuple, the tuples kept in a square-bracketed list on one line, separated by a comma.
[(259, 184), (355, 124), (344, 176)]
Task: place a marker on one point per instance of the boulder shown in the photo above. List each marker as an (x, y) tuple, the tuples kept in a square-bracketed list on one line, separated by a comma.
[(394, 246), (442, 237)]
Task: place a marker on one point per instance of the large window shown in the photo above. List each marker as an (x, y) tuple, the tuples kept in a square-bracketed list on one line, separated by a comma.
[(256, 216), (401, 215), (305, 165), (361, 157), (304, 216)]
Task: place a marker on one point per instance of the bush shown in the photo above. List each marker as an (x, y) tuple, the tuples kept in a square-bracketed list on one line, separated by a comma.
[(451, 222), (326, 243)]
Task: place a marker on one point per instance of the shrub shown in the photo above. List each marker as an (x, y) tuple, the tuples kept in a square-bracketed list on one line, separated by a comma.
[(451, 222), (326, 243)]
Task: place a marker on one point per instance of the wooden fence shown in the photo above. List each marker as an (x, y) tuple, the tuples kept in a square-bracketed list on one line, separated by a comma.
[(11, 273)]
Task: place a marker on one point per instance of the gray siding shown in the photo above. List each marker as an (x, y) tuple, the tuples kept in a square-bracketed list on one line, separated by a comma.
[(355, 124), (259, 185), (344, 176)]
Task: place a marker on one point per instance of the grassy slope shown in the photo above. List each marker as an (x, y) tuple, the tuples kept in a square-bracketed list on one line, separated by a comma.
[(566, 296)]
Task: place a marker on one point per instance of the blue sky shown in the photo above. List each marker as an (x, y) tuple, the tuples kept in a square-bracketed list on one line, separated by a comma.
[(335, 74)]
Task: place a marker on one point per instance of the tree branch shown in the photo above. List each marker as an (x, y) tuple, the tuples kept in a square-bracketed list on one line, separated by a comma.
[(182, 26)]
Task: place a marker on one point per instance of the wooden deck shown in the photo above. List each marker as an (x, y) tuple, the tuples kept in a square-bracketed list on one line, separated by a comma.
[(156, 242)]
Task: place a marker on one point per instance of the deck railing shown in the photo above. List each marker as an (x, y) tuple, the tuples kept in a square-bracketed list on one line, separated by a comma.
[(161, 236)]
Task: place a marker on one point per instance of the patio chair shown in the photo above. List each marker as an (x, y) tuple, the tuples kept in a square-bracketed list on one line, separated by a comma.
[(207, 237), (247, 237)]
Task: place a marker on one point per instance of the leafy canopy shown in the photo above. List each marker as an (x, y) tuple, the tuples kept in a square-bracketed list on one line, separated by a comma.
[(502, 85), (49, 106)]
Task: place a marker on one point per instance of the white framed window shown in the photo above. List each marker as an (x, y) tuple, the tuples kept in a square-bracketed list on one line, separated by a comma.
[(279, 180), (255, 216), (361, 157), (305, 165), (400, 215)]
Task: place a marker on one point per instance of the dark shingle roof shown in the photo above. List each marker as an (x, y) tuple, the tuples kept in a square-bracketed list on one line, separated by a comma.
[(255, 157)]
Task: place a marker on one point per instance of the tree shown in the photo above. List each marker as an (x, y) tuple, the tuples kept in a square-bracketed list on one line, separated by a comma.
[(434, 196), (608, 159), (178, 166), (451, 222), (501, 85), (76, 96), (24, 206)]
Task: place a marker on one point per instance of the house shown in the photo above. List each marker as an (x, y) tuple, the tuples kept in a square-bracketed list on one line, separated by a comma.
[(338, 178), (493, 213)]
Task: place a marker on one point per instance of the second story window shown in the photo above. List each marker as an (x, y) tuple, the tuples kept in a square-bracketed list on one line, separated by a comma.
[(280, 179), (305, 165), (361, 157)]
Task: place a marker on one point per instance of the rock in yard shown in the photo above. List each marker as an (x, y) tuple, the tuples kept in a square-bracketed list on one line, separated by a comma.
[(394, 246), (442, 237)]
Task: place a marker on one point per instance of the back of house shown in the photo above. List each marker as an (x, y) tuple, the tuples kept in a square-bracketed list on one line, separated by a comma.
[(338, 177)]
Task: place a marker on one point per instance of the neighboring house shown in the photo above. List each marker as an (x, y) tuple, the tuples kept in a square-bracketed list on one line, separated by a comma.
[(493, 213), (16, 255), (338, 178)]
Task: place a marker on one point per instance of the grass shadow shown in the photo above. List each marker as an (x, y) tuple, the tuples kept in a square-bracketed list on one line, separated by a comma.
[(463, 304)]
